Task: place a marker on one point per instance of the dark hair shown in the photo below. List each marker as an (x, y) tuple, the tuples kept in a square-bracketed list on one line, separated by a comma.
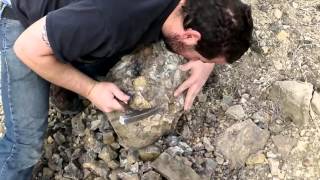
[(225, 27)]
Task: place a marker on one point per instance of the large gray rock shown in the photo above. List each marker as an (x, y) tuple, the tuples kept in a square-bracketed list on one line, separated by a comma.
[(294, 99), (150, 77), (173, 168), (241, 140)]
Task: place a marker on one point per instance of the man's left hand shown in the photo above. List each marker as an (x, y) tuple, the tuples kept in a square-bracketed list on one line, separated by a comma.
[(199, 73)]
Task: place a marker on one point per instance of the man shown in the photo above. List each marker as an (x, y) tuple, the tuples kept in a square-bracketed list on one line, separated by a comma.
[(62, 35)]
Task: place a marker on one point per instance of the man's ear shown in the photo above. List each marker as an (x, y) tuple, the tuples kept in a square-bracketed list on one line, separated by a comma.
[(191, 37)]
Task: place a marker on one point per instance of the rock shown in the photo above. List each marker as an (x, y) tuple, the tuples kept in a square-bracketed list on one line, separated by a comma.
[(98, 167), (149, 153), (186, 148), (173, 168), (186, 132), (255, 159), (274, 168), (113, 164), (284, 144), (91, 143), (59, 138), (176, 150), (134, 168), (209, 166), (78, 127), (315, 103), (151, 175), (132, 157), (277, 13), (94, 125), (207, 144), (150, 77), (128, 176), (236, 112), (283, 36), (47, 173), (108, 138), (241, 140), (107, 154), (72, 172), (294, 99), (114, 174), (172, 141)]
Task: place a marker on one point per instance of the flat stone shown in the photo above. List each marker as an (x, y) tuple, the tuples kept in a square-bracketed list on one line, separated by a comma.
[(241, 140), (294, 99), (151, 76), (173, 168), (236, 112), (284, 144)]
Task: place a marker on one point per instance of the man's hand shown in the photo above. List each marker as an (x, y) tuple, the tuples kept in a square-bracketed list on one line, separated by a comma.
[(199, 73), (106, 97)]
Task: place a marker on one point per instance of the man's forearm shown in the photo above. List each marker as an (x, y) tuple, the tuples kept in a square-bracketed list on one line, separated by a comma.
[(56, 72)]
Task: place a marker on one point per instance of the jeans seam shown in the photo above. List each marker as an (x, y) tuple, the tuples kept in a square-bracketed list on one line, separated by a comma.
[(4, 51)]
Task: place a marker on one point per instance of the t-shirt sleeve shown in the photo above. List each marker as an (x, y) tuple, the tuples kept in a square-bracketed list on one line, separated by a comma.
[(75, 30)]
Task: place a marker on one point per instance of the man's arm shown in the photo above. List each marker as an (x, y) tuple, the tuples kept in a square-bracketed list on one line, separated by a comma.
[(33, 49)]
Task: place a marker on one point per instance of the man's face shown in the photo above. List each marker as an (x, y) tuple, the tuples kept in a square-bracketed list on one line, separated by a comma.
[(190, 53)]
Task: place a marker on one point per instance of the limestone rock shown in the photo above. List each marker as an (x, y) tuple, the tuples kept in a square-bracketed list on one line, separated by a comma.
[(150, 77), (240, 141), (236, 112), (294, 99), (173, 168)]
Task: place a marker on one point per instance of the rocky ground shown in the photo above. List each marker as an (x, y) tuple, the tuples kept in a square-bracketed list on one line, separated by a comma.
[(253, 120)]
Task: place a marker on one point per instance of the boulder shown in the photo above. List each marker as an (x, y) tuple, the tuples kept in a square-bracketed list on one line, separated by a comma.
[(241, 140), (150, 77), (294, 99)]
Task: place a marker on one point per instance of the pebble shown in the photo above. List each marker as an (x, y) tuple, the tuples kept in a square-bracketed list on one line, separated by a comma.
[(149, 153), (176, 150), (236, 112), (108, 138), (207, 144), (277, 13), (151, 175)]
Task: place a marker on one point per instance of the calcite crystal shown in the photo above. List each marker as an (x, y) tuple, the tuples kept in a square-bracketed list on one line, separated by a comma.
[(150, 77)]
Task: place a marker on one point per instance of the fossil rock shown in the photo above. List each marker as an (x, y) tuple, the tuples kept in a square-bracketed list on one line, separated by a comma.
[(150, 76)]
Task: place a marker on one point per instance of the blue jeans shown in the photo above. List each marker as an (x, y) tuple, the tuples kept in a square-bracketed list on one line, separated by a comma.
[(25, 98)]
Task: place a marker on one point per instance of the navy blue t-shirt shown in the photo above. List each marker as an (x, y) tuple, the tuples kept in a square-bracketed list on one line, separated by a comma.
[(90, 30)]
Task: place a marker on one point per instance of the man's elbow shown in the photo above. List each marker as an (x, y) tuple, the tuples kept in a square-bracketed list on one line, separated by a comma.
[(22, 50)]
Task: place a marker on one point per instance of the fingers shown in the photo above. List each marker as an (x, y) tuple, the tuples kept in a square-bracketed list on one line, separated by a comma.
[(119, 94), (190, 97), (184, 86), (186, 67)]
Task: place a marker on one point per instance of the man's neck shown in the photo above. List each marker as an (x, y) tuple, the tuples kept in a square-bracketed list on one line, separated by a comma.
[(173, 26)]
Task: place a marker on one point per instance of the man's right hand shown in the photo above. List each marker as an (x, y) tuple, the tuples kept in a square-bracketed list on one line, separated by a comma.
[(106, 97)]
